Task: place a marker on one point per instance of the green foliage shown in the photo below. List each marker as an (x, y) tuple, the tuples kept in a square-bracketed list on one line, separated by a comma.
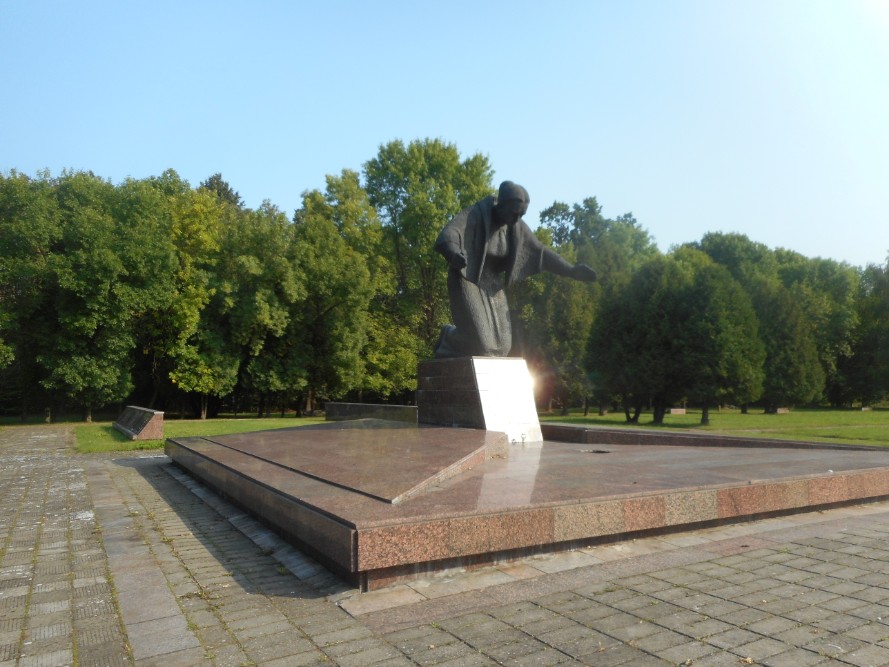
[(682, 328), (794, 375), (819, 309), (389, 354), (721, 350), (207, 367), (416, 189), (556, 315), (159, 293), (253, 289), (97, 289), (223, 191), (862, 374), (328, 329), (29, 237), (827, 292)]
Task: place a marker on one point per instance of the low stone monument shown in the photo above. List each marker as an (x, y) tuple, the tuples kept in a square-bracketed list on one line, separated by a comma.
[(140, 423), (336, 411)]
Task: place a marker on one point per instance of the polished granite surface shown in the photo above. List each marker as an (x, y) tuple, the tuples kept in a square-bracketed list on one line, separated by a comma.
[(388, 461), (380, 502), (384, 463)]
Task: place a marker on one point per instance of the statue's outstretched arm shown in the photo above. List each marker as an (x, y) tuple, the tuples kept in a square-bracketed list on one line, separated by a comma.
[(553, 263)]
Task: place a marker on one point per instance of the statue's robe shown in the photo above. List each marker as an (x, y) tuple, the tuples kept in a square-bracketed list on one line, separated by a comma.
[(478, 302)]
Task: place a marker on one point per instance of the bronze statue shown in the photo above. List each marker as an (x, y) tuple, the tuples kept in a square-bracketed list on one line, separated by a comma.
[(482, 243)]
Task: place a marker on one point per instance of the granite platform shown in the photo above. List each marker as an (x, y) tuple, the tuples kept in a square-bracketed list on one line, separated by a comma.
[(382, 501)]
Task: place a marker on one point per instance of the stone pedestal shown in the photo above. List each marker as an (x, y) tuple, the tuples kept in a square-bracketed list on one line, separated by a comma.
[(491, 393)]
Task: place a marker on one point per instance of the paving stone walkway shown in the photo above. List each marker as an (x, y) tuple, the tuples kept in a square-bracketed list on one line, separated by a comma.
[(125, 560)]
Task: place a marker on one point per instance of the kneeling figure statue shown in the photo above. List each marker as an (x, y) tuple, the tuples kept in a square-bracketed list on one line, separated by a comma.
[(489, 247)]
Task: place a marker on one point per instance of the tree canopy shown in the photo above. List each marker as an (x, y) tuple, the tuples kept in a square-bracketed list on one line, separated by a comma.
[(181, 297)]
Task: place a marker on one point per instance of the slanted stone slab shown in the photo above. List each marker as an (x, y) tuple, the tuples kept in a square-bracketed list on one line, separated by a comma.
[(140, 423), (492, 393), (345, 411)]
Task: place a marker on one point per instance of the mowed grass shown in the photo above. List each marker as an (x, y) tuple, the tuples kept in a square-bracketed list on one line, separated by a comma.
[(103, 437), (857, 427), (869, 427)]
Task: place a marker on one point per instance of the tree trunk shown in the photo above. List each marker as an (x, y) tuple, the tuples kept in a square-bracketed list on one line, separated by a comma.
[(88, 413), (658, 412), (204, 401), (636, 411), (705, 415), (310, 402)]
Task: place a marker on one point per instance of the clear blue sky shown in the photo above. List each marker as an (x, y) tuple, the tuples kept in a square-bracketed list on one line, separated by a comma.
[(764, 117)]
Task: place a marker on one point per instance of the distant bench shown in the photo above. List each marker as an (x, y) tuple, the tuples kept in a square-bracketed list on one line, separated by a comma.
[(140, 423)]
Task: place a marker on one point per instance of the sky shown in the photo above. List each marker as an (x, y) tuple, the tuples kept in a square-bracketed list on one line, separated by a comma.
[(768, 118)]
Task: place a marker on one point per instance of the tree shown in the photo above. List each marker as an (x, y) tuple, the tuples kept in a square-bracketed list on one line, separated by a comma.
[(416, 189), (631, 344), (793, 371), (114, 255), (554, 315), (746, 260), (29, 238), (681, 328), (327, 327), (721, 350), (865, 372), (615, 248), (207, 367), (245, 305), (223, 191), (261, 283), (389, 354), (827, 292), (168, 333)]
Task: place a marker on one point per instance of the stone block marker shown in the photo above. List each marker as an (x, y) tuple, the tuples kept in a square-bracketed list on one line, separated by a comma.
[(491, 393), (344, 411), (140, 423)]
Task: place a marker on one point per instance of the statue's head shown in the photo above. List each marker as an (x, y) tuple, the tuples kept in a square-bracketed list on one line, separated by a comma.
[(512, 202)]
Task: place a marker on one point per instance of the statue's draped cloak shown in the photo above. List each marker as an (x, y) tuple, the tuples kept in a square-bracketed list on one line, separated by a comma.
[(478, 301)]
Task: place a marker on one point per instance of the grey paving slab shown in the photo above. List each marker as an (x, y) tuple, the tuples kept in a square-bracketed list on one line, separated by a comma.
[(125, 560), (48, 528)]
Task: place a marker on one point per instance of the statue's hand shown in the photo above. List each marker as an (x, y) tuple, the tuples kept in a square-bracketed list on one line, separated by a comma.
[(457, 261), (583, 272)]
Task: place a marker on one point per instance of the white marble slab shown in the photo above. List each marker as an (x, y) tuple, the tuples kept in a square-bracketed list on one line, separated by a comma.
[(506, 390)]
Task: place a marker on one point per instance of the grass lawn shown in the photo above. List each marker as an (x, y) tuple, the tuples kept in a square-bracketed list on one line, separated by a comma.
[(103, 437), (817, 425)]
